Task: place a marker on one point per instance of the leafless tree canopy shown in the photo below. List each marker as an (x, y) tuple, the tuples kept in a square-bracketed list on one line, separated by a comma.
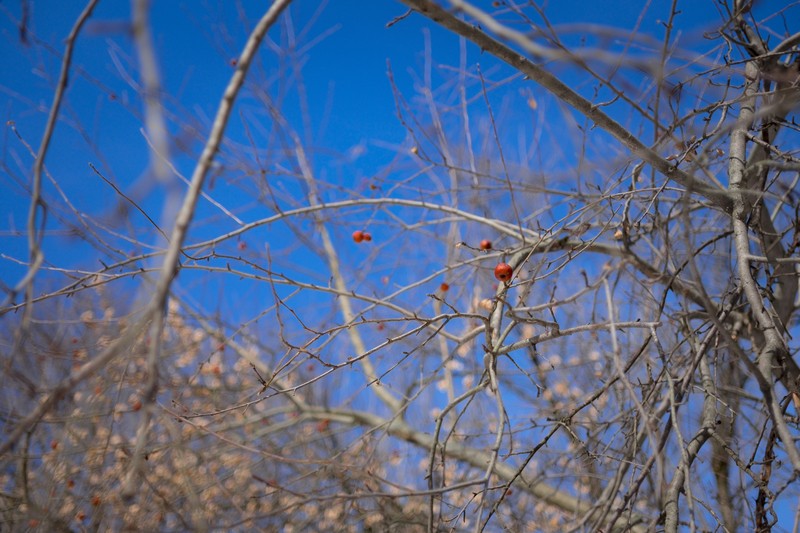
[(566, 301)]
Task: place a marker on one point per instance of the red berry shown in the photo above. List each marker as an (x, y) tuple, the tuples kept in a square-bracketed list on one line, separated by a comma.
[(503, 272), (367, 236), (486, 244), (444, 287), (358, 235)]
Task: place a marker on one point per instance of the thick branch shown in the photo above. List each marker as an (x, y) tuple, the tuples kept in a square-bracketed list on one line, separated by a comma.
[(774, 348)]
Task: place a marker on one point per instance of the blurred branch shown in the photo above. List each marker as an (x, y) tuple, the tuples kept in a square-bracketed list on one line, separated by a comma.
[(477, 458), (34, 237), (373, 379), (120, 345), (170, 268), (563, 92), (154, 122)]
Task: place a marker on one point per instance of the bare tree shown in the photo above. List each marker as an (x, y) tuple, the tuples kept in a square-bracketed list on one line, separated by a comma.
[(566, 301)]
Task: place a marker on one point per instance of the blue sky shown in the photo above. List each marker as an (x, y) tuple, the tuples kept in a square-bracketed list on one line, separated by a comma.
[(345, 77), (351, 107), (350, 102)]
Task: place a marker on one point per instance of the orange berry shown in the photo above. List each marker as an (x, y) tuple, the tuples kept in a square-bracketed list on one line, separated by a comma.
[(503, 272), (486, 244), (444, 287), (367, 237), (358, 235)]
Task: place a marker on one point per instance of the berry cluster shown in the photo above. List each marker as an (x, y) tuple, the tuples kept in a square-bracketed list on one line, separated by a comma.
[(360, 236)]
